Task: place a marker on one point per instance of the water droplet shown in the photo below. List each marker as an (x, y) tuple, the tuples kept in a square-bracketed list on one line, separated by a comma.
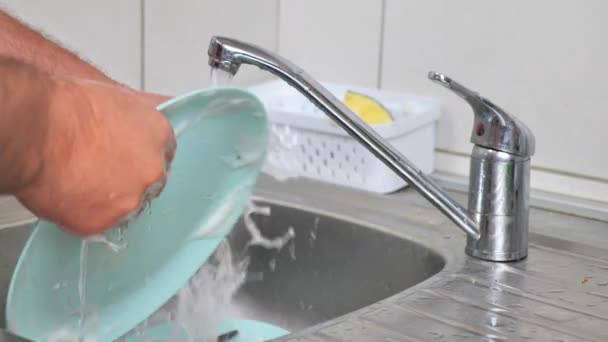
[(60, 285), (292, 250), (462, 335), (435, 334)]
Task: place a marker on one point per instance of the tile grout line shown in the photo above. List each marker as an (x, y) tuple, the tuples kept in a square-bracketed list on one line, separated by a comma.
[(381, 47), (277, 36)]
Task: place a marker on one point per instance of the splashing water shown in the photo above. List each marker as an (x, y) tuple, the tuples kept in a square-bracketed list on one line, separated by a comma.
[(206, 300), (257, 239)]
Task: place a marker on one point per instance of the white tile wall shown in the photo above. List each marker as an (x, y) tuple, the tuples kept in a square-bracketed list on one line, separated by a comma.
[(335, 40), (105, 32), (544, 61), (541, 60), (177, 36)]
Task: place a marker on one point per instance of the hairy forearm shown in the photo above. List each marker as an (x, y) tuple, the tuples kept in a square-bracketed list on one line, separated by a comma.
[(24, 102), (22, 43)]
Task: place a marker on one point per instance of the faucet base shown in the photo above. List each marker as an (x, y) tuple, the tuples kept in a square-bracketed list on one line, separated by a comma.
[(496, 257), (499, 187), (503, 238)]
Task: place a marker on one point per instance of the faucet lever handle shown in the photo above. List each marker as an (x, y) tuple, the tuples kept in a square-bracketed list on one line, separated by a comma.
[(456, 87), (493, 127)]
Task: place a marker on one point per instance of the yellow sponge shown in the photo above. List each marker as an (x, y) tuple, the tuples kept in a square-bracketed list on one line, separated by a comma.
[(368, 109)]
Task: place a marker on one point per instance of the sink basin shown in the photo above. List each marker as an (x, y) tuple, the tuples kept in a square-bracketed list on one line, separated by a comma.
[(335, 267), (331, 267)]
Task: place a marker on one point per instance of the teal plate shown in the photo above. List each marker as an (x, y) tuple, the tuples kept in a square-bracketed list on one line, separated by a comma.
[(221, 136), (246, 331)]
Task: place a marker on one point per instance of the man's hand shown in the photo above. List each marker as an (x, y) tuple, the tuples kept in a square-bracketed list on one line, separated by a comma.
[(107, 152), (96, 154)]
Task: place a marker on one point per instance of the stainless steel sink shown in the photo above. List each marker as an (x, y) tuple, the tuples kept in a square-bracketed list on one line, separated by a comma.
[(332, 267)]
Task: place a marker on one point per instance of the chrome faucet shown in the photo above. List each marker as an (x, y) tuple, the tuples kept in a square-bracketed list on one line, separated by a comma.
[(496, 222)]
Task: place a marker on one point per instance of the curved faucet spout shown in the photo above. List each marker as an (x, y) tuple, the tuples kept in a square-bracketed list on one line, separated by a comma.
[(228, 54)]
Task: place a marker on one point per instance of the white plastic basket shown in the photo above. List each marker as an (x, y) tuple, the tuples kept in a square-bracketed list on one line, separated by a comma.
[(307, 143)]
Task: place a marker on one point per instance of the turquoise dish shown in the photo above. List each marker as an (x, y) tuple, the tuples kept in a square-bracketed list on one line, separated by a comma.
[(221, 136)]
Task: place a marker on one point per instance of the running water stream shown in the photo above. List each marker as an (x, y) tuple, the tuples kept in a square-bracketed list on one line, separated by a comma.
[(67, 335)]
